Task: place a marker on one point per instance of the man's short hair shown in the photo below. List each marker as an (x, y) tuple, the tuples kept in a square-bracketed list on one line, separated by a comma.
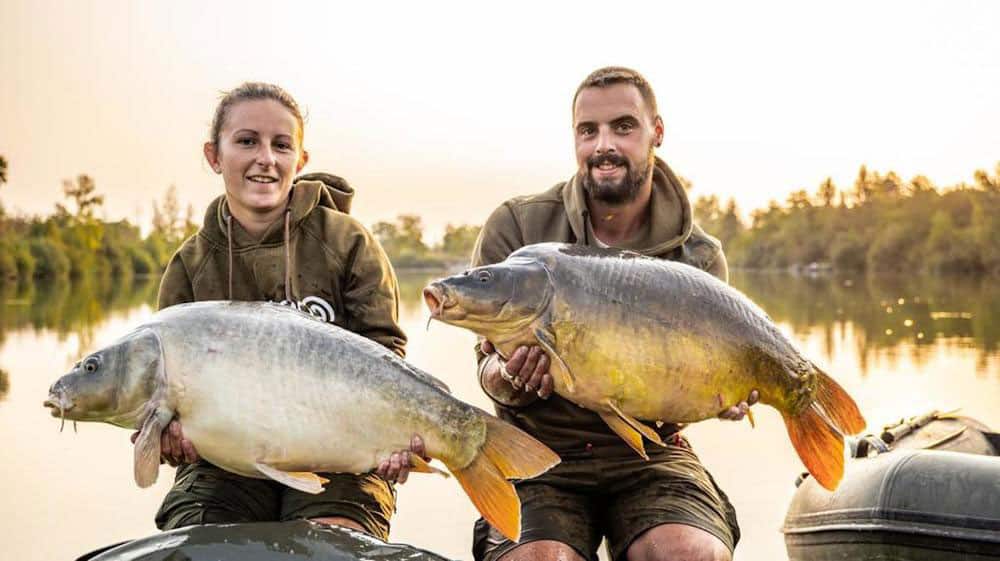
[(611, 75)]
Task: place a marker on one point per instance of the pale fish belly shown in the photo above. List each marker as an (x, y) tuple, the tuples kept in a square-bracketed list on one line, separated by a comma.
[(240, 404)]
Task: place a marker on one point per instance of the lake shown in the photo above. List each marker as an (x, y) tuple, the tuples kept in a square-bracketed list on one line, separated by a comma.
[(900, 346)]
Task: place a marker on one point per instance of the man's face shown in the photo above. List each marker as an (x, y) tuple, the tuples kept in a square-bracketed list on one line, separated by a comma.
[(615, 135)]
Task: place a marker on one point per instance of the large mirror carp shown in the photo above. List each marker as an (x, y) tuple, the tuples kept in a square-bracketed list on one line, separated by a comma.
[(265, 391), (635, 338)]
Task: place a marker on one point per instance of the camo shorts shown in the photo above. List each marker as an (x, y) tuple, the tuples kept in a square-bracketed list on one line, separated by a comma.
[(205, 494), (618, 497)]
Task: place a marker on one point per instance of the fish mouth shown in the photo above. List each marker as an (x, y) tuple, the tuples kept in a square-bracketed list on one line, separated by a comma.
[(59, 405), (437, 300)]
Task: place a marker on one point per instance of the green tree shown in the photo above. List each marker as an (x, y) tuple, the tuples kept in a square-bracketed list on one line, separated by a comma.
[(458, 241), (3, 181), (170, 229), (985, 230), (987, 183), (889, 225), (403, 240), (707, 211), (799, 200), (827, 192), (863, 189), (921, 185), (167, 220), (82, 194), (78, 229)]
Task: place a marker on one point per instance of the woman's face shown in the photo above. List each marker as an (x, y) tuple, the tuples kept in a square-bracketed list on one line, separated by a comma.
[(258, 153)]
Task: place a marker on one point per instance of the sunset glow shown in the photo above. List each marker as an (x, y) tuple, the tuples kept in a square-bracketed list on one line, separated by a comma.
[(445, 111)]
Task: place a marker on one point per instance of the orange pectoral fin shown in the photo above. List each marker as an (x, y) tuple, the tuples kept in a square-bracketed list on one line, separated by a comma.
[(628, 434), (420, 465)]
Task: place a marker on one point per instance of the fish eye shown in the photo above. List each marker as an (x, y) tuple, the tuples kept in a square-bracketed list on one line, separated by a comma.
[(91, 364), (485, 276)]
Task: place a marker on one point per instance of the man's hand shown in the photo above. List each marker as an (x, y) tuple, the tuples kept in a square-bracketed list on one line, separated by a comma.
[(526, 372), (174, 448), (397, 467), (741, 409)]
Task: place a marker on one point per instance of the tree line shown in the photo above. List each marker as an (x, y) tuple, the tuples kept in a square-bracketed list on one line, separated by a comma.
[(880, 224), (74, 242), (403, 241)]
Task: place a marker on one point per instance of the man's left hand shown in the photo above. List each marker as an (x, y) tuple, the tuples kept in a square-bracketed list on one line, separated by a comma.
[(741, 409), (396, 468)]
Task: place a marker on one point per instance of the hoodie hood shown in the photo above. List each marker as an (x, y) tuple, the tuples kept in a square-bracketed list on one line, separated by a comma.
[(308, 192), (670, 222), (315, 258)]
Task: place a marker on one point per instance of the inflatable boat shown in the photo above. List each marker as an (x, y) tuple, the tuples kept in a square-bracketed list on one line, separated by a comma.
[(927, 488)]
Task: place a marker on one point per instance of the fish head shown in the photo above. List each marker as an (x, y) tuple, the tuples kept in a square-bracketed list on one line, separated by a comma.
[(112, 383), (493, 298)]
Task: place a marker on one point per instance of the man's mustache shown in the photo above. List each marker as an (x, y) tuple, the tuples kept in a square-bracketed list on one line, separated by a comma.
[(613, 159)]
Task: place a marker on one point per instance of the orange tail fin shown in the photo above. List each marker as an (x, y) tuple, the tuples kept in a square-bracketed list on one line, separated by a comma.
[(819, 445), (817, 433), (508, 453), (838, 406)]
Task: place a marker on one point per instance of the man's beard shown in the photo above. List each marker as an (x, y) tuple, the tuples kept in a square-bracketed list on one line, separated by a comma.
[(616, 193)]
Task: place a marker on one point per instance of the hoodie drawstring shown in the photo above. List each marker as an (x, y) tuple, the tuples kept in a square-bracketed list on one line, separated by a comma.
[(288, 253), (288, 256), (229, 239), (586, 227)]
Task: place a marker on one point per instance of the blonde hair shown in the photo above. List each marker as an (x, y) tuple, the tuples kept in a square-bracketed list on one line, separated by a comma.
[(251, 91)]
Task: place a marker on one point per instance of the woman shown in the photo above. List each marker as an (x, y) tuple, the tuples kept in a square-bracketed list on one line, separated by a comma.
[(269, 238)]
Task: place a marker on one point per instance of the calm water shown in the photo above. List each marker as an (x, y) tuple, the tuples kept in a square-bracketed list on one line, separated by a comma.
[(900, 346)]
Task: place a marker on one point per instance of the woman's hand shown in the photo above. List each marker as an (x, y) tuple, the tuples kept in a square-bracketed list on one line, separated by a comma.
[(174, 448)]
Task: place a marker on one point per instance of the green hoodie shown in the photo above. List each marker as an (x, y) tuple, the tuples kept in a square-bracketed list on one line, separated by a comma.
[(561, 215), (317, 259)]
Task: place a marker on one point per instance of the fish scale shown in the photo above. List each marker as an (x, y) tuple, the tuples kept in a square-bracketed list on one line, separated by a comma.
[(636, 339)]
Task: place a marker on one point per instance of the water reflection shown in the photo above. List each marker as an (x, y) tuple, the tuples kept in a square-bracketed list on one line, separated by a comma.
[(890, 314), (44, 328), (411, 286), (71, 308)]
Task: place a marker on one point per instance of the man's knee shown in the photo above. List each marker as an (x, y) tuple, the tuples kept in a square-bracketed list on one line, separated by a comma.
[(677, 542), (542, 550)]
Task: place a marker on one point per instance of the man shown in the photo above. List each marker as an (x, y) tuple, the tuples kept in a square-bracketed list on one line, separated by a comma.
[(622, 196)]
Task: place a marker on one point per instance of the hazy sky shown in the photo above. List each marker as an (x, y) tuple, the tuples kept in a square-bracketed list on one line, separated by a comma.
[(446, 109)]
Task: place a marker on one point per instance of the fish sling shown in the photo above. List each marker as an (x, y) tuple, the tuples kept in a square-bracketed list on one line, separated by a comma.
[(265, 391), (631, 337)]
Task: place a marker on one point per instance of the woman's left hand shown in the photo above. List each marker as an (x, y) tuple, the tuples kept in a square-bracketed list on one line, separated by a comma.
[(397, 467)]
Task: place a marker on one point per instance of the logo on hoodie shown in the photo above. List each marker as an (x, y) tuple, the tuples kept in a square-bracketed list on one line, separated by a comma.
[(313, 305)]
